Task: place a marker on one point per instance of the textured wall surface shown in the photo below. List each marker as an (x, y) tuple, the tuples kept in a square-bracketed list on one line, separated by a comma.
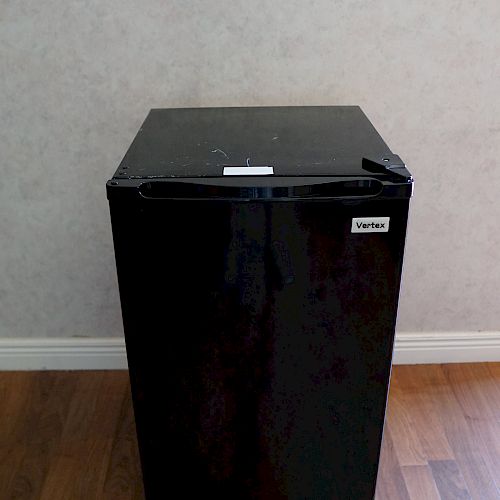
[(77, 78)]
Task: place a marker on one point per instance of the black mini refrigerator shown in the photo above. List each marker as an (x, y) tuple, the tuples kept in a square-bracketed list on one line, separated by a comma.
[(259, 255)]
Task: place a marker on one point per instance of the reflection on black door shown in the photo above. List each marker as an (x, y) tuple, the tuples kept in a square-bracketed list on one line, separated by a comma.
[(259, 337)]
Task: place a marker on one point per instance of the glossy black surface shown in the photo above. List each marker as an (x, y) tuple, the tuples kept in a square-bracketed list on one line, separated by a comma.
[(311, 140), (259, 337), (259, 329), (272, 187)]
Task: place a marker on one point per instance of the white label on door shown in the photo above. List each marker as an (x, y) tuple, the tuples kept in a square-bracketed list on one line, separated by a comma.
[(248, 171), (370, 225)]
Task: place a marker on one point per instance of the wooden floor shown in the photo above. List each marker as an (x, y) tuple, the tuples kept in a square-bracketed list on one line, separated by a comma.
[(442, 438), (71, 435)]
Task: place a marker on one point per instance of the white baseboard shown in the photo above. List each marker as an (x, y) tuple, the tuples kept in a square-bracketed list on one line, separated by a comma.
[(446, 347), (72, 353), (108, 353)]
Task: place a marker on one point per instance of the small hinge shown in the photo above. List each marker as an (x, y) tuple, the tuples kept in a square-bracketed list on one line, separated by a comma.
[(391, 165)]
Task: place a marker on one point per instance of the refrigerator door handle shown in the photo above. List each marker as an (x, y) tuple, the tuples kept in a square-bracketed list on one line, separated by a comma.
[(245, 188)]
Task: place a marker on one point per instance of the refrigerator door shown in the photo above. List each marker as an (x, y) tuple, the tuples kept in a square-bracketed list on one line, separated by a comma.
[(259, 337)]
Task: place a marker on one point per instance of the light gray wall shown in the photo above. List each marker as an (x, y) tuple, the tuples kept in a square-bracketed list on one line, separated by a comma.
[(77, 78)]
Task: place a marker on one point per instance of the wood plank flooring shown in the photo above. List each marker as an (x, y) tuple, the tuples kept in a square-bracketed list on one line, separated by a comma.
[(442, 435), (71, 435)]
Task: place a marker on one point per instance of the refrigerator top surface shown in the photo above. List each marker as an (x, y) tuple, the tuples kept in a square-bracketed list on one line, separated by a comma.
[(284, 141)]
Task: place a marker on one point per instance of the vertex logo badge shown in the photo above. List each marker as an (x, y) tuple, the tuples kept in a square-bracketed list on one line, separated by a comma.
[(370, 224)]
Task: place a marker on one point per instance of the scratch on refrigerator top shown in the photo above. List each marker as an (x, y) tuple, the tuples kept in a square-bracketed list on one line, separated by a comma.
[(220, 151)]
